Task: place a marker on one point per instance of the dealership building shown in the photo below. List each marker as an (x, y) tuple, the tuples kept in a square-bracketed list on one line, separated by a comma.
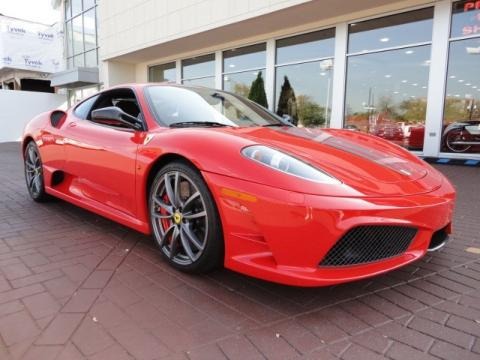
[(407, 71)]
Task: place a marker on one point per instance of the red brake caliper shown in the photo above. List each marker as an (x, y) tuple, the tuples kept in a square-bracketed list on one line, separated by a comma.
[(166, 223)]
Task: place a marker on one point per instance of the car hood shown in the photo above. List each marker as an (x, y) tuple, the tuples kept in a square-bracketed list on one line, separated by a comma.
[(366, 165)]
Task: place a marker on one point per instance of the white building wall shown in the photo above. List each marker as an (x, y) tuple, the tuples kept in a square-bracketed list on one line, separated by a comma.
[(18, 107), (115, 73), (129, 25)]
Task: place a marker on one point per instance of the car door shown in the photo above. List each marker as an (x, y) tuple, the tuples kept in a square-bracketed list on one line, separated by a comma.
[(101, 159)]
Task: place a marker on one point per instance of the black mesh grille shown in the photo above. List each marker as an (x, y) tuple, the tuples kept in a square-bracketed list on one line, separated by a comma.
[(365, 244)]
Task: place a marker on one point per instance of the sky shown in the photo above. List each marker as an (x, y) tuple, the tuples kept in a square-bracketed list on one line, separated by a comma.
[(33, 10)]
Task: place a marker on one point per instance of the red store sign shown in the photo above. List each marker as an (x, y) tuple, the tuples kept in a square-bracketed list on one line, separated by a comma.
[(474, 28)]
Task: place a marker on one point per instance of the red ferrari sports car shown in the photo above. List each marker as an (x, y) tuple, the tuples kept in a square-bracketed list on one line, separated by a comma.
[(218, 179)]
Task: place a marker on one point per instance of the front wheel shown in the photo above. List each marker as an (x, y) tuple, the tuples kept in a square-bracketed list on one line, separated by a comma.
[(34, 173), (185, 220)]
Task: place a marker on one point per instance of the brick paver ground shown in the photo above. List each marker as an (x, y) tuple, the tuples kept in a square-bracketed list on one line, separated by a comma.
[(76, 286)]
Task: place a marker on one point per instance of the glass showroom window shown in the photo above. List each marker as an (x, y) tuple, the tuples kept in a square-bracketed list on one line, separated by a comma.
[(387, 76), (303, 78), (199, 70), (164, 72), (81, 33), (244, 72), (461, 117)]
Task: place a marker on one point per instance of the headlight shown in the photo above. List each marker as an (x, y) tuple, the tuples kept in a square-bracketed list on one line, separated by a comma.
[(285, 163)]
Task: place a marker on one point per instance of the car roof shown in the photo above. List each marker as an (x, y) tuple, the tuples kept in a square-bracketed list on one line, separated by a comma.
[(164, 83)]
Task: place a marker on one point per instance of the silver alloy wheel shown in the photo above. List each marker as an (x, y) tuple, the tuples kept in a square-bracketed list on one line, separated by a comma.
[(179, 218), (453, 136), (33, 171)]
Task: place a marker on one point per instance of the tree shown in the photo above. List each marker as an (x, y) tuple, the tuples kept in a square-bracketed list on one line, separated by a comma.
[(413, 110), (287, 103), (386, 106), (310, 114), (257, 91), (241, 89)]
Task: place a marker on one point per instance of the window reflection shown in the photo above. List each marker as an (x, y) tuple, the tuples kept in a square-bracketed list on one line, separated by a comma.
[(390, 31), (208, 81), (160, 73), (303, 89), (386, 94), (77, 35), (199, 66), (89, 30), (248, 57), (314, 45), (248, 84), (79, 61), (87, 4), (91, 58), (76, 7), (68, 9), (387, 77), (199, 71), (80, 33), (461, 118), (68, 36), (465, 18), (303, 92), (244, 72)]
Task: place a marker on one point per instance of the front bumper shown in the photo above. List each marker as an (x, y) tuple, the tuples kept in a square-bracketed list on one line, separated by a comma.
[(282, 236)]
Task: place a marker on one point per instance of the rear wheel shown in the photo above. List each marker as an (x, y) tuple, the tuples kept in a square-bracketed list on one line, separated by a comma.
[(454, 137), (184, 219), (34, 173)]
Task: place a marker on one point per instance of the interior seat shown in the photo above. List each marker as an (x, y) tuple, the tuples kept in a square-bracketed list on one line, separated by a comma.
[(130, 107)]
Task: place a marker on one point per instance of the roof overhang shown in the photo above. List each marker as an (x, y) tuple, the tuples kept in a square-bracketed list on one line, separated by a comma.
[(75, 78), (296, 18)]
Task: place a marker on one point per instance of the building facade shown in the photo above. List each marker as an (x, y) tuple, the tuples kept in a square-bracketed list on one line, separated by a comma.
[(81, 75), (407, 71)]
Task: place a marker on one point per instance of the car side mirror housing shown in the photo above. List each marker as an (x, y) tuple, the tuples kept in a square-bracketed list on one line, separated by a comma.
[(287, 118), (115, 114)]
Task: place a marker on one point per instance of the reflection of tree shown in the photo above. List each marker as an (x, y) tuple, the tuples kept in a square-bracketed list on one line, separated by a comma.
[(410, 111), (413, 110), (287, 104), (257, 91), (309, 112), (387, 106), (241, 89), (460, 109)]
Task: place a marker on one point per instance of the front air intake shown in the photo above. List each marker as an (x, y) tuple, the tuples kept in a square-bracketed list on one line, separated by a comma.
[(365, 244)]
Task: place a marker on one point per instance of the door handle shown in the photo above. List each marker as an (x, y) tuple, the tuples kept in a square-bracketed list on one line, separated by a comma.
[(72, 124)]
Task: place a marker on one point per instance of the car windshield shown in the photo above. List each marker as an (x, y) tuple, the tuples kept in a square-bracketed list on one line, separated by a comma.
[(196, 106)]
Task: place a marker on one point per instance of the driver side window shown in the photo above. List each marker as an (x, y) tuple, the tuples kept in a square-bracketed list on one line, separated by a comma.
[(121, 98), (83, 109)]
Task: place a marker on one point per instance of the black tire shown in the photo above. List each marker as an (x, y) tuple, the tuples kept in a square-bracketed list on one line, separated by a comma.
[(189, 241), (456, 135), (33, 169)]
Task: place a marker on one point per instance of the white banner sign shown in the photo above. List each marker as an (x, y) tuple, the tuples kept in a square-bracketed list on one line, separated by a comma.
[(30, 46)]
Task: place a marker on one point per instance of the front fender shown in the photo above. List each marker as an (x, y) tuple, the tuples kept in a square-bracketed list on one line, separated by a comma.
[(33, 129)]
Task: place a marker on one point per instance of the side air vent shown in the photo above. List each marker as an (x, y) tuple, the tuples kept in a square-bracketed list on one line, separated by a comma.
[(57, 118)]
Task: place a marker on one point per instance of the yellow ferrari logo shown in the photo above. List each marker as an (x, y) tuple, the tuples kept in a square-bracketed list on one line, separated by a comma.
[(177, 218)]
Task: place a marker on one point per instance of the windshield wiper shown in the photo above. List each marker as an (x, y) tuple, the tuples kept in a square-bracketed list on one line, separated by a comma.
[(276, 124), (196, 123)]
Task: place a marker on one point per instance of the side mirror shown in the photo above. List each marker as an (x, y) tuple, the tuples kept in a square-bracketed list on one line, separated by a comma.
[(288, 118), (113, 113)]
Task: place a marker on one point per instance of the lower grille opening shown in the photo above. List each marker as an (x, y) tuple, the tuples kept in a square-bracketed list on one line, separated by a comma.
[(364, 244), (439, 239)]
